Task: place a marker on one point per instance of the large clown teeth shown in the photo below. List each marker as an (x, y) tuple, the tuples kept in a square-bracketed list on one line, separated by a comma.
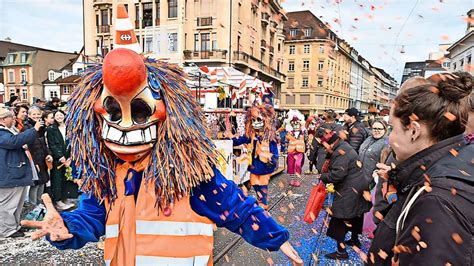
[(135, 137)]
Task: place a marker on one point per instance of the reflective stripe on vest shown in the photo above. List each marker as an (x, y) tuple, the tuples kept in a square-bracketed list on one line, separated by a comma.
[(137, 234), (296, 144)]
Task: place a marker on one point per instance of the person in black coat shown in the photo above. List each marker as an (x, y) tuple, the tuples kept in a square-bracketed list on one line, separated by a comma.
[(349, 205), (61, 188), (356, 131), (329, 125), (431, 222), (40, 153)]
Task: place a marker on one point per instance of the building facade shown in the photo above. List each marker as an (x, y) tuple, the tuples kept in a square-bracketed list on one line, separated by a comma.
[(24, 72), (317, 65), (244, 34), (461, 52)]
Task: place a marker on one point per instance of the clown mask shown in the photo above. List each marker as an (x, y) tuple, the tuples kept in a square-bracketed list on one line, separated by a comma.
[(257, 123), (295, 124), (130, 109)]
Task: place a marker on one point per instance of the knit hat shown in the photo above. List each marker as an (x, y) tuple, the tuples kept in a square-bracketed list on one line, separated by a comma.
[(330, 137), (5, 113)]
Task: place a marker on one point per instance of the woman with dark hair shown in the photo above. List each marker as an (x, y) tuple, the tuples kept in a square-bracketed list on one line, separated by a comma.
[(431, 221), (61, 189), (347, 213)]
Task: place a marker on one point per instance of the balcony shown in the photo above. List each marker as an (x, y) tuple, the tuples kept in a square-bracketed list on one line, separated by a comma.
[(263, 44), (248, 61), (103, 28), (204, 22), (272, 49), (198, 55), (101, 2), (265, 19)]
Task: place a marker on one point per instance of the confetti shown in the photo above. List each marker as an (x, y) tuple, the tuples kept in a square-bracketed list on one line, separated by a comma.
[(270, 261), (429, 221), (255, 226), (382, 254), (415, 235), (423, 244), (457, 238), (379, 215), (414, 117), (453, 191), (367, 196), (450, 116), (454, 152), (359, 164)]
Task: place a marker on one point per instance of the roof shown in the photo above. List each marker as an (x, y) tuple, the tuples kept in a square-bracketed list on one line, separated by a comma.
[(305, 19), (17, 61), (9, 47), (465, 37), (71, 79)]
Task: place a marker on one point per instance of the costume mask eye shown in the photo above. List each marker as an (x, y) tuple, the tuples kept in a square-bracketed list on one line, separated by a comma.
[(141, 112), (112, 107)]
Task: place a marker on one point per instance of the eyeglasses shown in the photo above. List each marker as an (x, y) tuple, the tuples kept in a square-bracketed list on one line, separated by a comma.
[(378, 128)]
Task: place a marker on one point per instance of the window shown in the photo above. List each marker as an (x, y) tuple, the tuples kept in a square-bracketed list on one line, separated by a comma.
[(148, 44), (321, 49), (320, 65), (461, 62), (23, 57), (65, 74), (319, 99), (454, 66), (147, 14), (12, 92), (291, 83), (468, 59), (11, 59), (172, 8), (291, 66), (172, 42), (252, 44), (51, 76), (24, 94), (23, 76), (304, 99), (137, 16), (157, 12), (292, 49), (279, 47), (205, 42), (290, 99), (306, 49), (293, 32), (11, 76), (53, 94), (196, 42), (66, 89), (308, 32), (320, 81), (104, 15), (305, 83), (214, 41), (305, 65)]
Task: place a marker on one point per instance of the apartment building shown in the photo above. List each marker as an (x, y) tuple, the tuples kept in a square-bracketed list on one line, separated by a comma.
[(24, 71), (317, 65), (244, 34)]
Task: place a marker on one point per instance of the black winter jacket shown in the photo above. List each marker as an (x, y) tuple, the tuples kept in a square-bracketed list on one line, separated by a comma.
[(443, 217), (317, 152), (39, 150), (357, 133), (349, 182)]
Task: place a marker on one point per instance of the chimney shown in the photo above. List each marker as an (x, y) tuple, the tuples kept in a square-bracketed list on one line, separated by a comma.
[(470, 21)]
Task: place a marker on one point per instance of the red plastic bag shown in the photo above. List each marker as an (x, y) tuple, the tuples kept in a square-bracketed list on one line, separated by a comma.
[(315, 203)]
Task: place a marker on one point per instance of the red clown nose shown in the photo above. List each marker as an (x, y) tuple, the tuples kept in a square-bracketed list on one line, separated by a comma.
[(123, 72)]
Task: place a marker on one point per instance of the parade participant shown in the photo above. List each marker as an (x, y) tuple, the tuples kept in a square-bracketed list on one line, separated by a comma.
[(260, 136), (431, 221), (313, 123), (148, 167), (296, 139), (349, 205)]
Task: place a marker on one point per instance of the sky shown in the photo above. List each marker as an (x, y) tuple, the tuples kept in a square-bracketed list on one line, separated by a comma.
[(376, 29)]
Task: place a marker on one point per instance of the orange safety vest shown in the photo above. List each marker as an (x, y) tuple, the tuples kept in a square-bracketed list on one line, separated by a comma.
[(262, 151), (296, 144), (137, 234)]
